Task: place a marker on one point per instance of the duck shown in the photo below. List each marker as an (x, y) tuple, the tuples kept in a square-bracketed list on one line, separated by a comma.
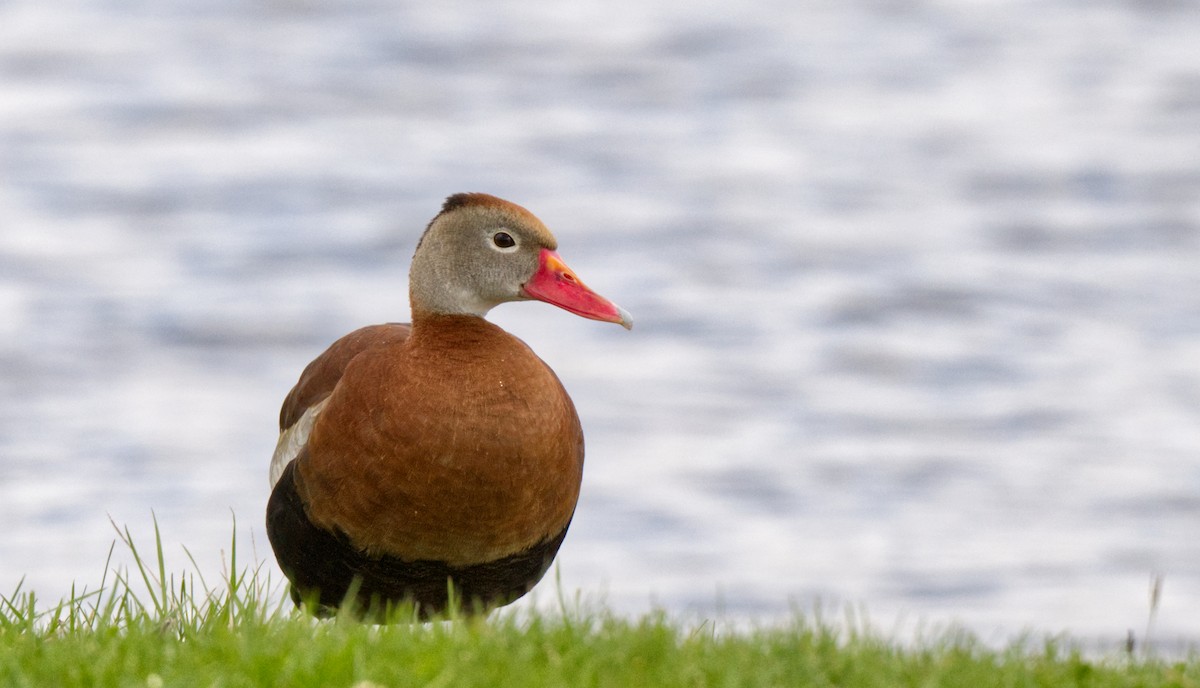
[(435, 466)]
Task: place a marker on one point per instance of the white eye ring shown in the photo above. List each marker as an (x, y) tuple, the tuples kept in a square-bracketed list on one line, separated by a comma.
[(503, 241)]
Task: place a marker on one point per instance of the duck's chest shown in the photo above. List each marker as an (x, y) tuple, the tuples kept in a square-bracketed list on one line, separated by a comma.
[(490, 415), (457, 461), (512, 407)]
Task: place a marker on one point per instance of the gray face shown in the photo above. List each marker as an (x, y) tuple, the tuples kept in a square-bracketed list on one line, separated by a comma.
[(476, 256)]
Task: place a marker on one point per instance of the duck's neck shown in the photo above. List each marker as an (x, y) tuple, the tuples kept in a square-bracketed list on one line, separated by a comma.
[(440, 286), (451, 331)]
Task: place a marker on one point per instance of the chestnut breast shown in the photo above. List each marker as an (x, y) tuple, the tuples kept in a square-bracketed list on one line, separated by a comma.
[(457, 444)]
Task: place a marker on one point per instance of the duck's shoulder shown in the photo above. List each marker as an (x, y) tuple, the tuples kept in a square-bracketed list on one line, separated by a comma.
[(325, 371)]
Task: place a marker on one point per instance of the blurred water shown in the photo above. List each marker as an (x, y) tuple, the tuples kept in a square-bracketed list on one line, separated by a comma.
[(917, 285)]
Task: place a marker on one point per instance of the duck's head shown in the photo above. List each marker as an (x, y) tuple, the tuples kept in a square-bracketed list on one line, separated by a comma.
[(481, 251)]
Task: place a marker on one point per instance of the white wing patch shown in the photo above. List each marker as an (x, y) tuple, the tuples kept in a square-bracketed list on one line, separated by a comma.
[(293, 439)]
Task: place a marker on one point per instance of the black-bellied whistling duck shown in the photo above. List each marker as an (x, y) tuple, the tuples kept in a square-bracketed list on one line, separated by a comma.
[(444, 454)]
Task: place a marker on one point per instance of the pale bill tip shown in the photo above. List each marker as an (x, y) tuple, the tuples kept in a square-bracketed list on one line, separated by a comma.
[(626, 318)]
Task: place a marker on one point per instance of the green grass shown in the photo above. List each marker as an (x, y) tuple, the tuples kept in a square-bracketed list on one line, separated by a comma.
[(147, 628)]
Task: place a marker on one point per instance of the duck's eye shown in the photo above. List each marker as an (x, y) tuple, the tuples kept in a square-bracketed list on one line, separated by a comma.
[(503, 240)]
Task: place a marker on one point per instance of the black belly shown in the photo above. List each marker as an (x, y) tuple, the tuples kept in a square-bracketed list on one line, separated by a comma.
[(324, 567)]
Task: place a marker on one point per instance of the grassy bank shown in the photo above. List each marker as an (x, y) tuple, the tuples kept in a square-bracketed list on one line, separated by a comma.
[(146, 627)]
